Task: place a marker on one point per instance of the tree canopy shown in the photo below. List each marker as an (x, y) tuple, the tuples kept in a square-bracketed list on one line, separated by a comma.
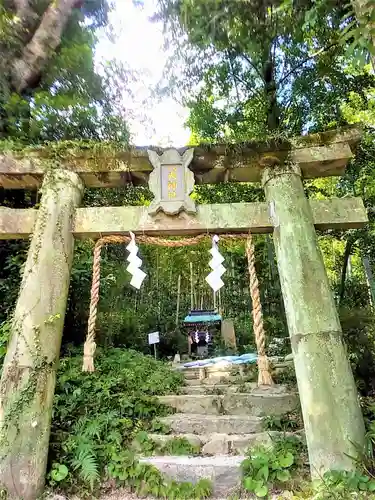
[(248, 69), (50, 88)]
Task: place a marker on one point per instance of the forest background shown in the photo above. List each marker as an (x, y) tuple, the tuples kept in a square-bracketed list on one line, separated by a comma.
[(246, 71)]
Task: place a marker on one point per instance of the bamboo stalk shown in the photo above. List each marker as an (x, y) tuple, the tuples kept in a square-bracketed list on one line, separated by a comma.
[(191, 287), (178, 298)]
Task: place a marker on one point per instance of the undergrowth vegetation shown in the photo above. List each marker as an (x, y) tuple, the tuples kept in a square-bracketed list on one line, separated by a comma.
[(174, 446), (97, 416), (288, 422), (283, 468), (265, 468), (103, 420)]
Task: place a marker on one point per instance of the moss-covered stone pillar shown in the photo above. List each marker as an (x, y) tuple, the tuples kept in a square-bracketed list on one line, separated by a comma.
[(29, 372), (331, 412)]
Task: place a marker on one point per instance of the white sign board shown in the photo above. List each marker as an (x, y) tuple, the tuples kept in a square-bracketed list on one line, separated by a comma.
[(153, 338)]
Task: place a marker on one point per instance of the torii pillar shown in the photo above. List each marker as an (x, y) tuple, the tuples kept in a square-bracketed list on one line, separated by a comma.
[(330, 406), (29, 372)]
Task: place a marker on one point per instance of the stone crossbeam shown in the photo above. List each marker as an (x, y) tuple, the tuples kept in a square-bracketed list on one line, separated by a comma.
[(336, 213), (318, 155)]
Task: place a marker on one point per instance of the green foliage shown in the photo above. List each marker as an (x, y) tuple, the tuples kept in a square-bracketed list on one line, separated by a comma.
[(144, 443), (180, 446), (125, 315), (4, 338), (365, 459), (359, 335), (12, 257), (288, 422), (96, 415), (264, 67), (71, 98), (145, 479), (286, 376), (160, 427), (263, 468), (58, 473), (343, 485)]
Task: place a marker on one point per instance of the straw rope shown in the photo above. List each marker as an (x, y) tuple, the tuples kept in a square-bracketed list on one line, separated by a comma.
[(90, 345), (264, 374)]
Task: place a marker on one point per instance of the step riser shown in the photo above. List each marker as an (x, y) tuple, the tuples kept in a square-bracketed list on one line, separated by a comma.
[(220, 388), (232, 404), (199, 424), (224, 474), (211, 381), (220, 444)]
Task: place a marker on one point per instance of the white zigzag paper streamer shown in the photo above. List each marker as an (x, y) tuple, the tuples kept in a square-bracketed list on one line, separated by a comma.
[(134, 264), (216, 264)]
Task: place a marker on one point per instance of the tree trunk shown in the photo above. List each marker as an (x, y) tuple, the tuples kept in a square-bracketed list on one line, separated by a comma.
[(369, 279), (27, 70), (348, 250), (29, 372), (331, 412)]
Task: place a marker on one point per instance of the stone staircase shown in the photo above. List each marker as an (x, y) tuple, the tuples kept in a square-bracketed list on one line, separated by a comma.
[(223, 422)]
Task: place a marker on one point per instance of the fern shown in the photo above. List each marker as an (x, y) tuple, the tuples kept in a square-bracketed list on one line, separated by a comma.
[(97, 417), (80, 425), (86, 464), (93, 429)]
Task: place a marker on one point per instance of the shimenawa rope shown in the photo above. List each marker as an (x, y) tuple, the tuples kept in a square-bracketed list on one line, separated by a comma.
[(264, 374), (90, 345)]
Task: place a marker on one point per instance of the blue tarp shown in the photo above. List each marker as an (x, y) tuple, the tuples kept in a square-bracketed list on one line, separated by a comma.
[(232, 360), (204, 318)]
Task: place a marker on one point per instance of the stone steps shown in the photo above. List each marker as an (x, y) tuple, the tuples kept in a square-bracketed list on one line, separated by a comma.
[(218, 388), (181, 423), (223, 470), (255, 404), (211, 381), (220, 443), (213, 416)]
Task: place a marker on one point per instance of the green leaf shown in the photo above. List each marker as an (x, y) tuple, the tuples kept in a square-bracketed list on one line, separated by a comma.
[(287, 460), (263, 473), (371, 485), (249, 484), (282, 475), (261, 491), (363, 486), (59, 472), (141, 437)]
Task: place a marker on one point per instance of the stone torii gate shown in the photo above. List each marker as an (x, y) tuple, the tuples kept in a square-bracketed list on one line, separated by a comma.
[(331, 412)]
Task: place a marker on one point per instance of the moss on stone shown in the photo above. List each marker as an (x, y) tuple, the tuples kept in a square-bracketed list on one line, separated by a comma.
[(90, 149)]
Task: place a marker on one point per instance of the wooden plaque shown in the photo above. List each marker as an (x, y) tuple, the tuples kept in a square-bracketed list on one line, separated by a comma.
[(171, 182)]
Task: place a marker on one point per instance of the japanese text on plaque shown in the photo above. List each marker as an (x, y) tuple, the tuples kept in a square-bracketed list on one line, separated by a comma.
[(172, 183)]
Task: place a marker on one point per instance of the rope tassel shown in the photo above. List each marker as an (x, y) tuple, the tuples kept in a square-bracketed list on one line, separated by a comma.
[(264, 373)]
